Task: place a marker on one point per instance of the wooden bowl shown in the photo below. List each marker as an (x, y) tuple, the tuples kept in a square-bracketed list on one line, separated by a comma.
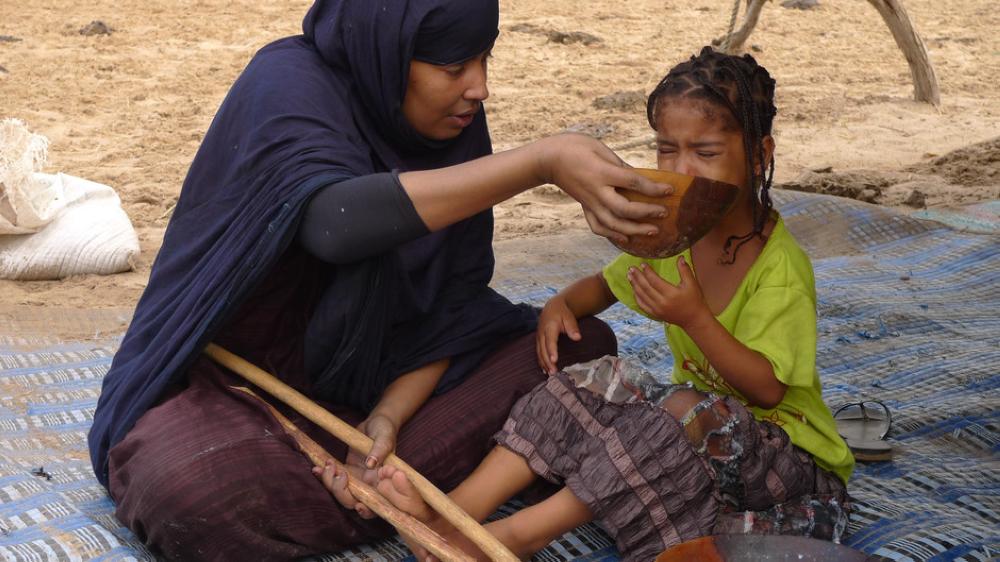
[(692, 210)]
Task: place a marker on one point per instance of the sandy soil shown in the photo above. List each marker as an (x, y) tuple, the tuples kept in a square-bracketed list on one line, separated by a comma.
[(128, 108)]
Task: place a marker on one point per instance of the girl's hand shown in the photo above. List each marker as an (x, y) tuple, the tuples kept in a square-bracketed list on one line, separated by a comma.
[(556, 318), (682, 304), (589, 172)]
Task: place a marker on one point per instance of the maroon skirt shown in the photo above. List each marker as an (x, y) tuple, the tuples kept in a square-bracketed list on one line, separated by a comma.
[(208, 474)]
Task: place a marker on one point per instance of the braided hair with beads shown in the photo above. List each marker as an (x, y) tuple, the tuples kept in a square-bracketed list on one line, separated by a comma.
[(746, 90)]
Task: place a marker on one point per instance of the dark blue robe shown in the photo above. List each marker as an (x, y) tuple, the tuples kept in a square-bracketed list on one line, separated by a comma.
[(307, 112)]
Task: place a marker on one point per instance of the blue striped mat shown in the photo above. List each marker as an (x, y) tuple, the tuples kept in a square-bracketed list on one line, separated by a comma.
[(907, 315)]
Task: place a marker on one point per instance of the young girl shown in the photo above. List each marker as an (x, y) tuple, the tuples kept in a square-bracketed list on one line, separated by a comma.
[(743, 429)]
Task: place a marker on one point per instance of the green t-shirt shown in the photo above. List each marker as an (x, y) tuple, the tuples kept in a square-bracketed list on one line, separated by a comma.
[(773, 313)]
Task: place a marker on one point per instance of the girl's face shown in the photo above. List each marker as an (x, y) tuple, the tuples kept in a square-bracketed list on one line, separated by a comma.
[(696, 138), (441, 101)]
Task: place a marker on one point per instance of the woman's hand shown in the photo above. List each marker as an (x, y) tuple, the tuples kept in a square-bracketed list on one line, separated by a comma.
[(382, 430), (590, 172), (682, 304), (580, 165), (399, 402), (556, 318)]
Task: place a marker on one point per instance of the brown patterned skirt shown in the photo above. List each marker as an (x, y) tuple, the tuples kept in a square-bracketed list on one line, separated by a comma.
[(653, 480)]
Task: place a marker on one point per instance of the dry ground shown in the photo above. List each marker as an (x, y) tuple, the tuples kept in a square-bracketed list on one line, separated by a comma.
[(129, 108)]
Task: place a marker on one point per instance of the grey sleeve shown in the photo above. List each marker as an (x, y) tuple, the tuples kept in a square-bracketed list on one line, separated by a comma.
[(358, 218)]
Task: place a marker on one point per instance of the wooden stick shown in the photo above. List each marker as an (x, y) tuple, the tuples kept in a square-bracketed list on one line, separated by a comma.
[(360, 442), (403, 522)]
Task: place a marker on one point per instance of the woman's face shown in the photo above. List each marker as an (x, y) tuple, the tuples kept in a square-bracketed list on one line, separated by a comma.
[(441, 101)]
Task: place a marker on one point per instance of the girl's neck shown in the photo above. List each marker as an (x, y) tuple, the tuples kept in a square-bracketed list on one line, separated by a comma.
[(738, 222), (720, 271)]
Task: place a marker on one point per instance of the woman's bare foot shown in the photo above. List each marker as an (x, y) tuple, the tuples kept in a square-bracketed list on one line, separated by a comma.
[(397, 488), (394, 485)]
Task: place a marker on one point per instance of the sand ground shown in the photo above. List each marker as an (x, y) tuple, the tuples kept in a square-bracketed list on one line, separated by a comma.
[(129, 108)]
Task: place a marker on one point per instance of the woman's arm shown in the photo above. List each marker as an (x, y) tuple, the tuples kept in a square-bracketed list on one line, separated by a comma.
[(368, 215), (358, 218), (398, 403), (581, 166)]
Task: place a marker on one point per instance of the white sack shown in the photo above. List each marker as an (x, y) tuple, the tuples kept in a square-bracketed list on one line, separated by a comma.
[(54, 226)]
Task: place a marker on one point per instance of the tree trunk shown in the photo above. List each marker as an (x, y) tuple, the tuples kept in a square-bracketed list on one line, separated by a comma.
[(733, 43), (925, 86)]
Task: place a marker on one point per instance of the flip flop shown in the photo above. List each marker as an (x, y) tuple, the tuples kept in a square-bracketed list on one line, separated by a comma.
[(864, 425)]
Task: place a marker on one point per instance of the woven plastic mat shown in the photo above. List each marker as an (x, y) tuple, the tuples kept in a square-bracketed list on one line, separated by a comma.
[(907, 315)]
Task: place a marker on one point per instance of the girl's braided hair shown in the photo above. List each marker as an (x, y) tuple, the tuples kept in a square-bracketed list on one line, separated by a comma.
[(746, 89)]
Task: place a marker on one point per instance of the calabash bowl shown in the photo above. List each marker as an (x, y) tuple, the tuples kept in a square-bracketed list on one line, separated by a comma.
[(693, 208)]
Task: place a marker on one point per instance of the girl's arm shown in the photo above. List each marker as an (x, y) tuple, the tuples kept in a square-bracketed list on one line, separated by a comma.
[(744, 369), (586, 297), (581, 166)]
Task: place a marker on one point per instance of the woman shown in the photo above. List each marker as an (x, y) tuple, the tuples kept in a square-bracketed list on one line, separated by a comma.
[(335, 229)]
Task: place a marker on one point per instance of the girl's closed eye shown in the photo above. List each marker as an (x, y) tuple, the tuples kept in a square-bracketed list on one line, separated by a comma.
[(666, 147)]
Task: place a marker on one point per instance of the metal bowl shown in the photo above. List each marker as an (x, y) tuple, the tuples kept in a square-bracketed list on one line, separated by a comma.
[(693, 208), (762, 548)]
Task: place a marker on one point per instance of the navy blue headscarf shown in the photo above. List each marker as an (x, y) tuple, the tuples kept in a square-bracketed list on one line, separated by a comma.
[(307, 112)]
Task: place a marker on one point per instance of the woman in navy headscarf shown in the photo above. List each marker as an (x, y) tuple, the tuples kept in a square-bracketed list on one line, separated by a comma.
[(335, 228)]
